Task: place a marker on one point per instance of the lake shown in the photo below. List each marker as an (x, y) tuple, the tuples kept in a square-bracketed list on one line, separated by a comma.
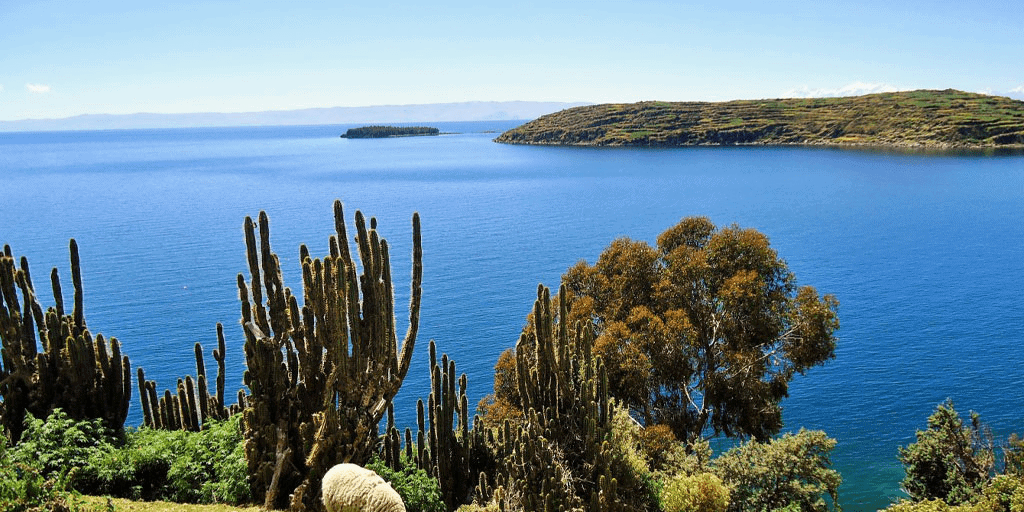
[(925, 251)]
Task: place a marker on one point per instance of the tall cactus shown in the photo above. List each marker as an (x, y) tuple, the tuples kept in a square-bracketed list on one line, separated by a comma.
[(555, 459), (447, 447), (321, 376), (86, 376)]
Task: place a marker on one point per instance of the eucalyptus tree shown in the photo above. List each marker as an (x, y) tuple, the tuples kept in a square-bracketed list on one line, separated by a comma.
[(705, 331)]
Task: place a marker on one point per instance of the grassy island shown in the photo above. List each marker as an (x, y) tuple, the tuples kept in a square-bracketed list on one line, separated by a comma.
[(931, 119), (379, 132)]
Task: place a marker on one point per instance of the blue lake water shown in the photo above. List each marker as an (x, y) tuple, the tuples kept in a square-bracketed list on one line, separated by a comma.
[(925, 252)]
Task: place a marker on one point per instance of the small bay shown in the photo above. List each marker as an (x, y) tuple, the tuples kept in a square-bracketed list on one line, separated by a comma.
[(924, 251)]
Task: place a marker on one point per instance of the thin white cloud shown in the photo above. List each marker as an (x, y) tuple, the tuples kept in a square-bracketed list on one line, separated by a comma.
[(854, 89), (37, 88), (1019, 89)]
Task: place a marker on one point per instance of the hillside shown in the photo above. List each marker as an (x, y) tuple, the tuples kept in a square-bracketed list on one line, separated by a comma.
[(939, 119)]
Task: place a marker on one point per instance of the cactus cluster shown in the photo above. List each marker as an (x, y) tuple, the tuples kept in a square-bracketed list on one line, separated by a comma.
[(445, 446), (192, 405), (559, 457), (321, 376), (86, 376)]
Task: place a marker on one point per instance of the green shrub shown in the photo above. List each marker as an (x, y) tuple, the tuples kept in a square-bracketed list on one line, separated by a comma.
[(186, 467), (1003, 493), (630, 463), (933, 505), (949, 461), (210, 466), (703, 492), (793, 470), (137, 470), (57, 444), (23, 487), (419, 491)]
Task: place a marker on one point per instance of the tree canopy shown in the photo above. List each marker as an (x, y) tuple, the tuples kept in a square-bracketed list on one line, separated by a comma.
[(703, 332), (377, 131)]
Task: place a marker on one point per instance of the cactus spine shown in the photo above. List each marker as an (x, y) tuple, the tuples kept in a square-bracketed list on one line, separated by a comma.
[(86, 376), (321, 376)]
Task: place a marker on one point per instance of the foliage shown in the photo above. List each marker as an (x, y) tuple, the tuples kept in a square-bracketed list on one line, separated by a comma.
[(703, 492), (55, 445), (210, 466), (473, 507), (419, 491), (704, 332), (792, 470), (187, 467), (950, 461), (1013, 456), (24, 487), (634, 476), (1004, 493), (913, 118)]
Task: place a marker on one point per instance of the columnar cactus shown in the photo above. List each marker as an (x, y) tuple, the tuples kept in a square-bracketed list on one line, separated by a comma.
[(554, 460), (193, 404), (321, 376), (86, 376), (446, 447)]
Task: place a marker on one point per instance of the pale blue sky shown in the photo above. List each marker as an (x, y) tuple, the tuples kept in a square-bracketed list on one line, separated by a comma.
[(63, 58)]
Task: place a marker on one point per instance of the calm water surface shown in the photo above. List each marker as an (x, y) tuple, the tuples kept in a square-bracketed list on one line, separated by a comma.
[(924, 252)]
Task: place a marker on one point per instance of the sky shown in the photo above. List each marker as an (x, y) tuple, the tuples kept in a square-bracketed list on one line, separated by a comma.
[(65, 58)]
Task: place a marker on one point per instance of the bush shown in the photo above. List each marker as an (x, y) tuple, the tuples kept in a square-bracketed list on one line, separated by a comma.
[(950, 461), (186, 467), (794, 470), (630, 463), (57, 444), (703, 492), (24, 488), (419, 491), (1004, 493), (211, 467)]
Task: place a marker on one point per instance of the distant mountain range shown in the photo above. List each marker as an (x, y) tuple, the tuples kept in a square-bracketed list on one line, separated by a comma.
[(435, 112)]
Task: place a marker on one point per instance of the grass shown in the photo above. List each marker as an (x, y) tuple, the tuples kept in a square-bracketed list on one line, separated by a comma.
[(940, 119), (100, 503)]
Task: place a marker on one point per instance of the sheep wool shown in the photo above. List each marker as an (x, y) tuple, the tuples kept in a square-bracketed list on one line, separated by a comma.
[(351, 488)]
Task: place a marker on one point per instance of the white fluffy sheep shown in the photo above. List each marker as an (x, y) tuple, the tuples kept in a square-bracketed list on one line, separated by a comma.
[(351, 488)]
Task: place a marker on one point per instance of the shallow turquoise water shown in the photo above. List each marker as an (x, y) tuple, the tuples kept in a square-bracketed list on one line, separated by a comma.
[(924, 252)]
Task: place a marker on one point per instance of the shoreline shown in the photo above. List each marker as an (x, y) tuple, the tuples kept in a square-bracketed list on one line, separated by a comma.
[(912, 146)]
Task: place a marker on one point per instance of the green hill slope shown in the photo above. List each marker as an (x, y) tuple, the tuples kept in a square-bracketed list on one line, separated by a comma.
[(939, 119)]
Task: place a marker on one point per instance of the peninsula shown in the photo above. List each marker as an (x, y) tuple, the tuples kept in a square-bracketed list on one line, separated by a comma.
[(925, 118), (378, 132)]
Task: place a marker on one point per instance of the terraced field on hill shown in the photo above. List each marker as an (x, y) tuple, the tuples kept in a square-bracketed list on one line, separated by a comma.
[(938, 119)]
